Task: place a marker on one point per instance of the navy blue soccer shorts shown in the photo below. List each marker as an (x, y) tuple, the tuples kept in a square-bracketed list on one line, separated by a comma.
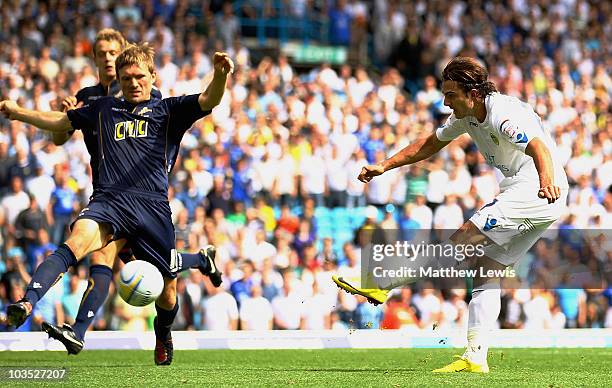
[(144, 222)]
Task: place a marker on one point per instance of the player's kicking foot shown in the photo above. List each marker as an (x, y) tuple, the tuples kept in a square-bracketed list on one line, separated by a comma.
[(18, 312), (463, 365), (208, 255), (65, 335), (373, 295)]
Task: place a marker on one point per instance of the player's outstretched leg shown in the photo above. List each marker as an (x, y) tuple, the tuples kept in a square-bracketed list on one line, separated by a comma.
[(166, 307), (66, 335), (45, 276), (204, 261), (378, 290), (209, 267), (373, 295), (87, 235)]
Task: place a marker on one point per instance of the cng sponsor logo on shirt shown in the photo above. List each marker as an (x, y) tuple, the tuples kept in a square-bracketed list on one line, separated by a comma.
[(132, 128)]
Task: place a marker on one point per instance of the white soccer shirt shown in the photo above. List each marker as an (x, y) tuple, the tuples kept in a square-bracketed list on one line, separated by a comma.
[(503, 137)]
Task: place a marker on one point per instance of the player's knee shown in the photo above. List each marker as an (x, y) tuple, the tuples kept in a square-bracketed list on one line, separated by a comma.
[(75, 243), (102, 258), (468, 233)]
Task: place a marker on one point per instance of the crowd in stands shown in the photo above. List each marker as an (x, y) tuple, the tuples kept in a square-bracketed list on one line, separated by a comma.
[(270, 177)]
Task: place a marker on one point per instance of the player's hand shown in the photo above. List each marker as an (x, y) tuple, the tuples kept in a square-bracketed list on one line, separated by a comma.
[(223, 63), (8, 108), (370, 171), (550, 192), (69, 103)]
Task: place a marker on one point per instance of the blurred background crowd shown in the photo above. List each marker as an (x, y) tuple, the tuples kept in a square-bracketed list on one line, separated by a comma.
[(270, 176)]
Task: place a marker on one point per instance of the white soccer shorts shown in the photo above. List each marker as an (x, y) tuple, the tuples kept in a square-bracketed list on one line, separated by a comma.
[(516, 219)]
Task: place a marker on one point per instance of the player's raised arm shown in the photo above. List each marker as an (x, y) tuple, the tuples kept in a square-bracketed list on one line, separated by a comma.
[(542, 159), (213, 94), (419, 150), (56, 122)]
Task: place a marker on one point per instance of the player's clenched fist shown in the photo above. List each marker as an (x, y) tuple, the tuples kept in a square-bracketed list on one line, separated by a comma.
[(550, 192), (8, 108), (69, 103), (369, 172), (223, 63)]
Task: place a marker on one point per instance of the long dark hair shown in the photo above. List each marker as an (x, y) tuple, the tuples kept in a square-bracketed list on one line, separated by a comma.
[(469, 74)]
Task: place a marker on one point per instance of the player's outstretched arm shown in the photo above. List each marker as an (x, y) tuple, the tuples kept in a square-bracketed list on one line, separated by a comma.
[(544, 164), (49, 121), (419, 150), (214, 92)]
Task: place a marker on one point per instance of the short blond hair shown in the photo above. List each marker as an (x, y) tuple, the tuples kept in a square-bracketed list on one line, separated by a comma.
[(109, 34), (136, 54)]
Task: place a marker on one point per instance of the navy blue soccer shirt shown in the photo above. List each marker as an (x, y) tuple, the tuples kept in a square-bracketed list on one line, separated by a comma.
[(88, 95), (137, 144)]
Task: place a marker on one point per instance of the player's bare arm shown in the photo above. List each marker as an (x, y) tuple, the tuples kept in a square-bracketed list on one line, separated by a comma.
[(56, 122), (212, 96), (419, 150), (544, 164), (68, 103)]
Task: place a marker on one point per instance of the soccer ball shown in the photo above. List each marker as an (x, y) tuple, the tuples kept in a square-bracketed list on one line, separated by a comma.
[(140, 283)]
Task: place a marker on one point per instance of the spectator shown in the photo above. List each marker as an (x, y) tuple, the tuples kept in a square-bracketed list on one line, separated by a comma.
[(340, 24), (242, 289), (228, 25), (62, 204), (28, 224), (316, 311), (367, 316), (428, 305), (72, 297), (14, 202), (256, 311), (220, 311), (287, 306), (537, 311), (41, 186), (398, 314)]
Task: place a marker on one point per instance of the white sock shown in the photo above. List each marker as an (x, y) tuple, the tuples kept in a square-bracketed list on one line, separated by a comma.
[(484, 309)]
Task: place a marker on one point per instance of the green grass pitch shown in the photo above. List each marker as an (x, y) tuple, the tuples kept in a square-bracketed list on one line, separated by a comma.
[(323, 368)]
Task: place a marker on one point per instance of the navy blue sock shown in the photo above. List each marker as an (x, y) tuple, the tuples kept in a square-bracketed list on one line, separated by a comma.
[(100, 277), (164, 321), (191, 260), (49, 272)]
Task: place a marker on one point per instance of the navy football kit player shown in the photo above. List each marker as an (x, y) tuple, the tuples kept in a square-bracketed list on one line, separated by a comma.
[(133, 150), (107, 47)]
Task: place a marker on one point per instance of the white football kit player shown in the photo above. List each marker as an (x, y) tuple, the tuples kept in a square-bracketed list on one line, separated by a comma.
[(517, 217)]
